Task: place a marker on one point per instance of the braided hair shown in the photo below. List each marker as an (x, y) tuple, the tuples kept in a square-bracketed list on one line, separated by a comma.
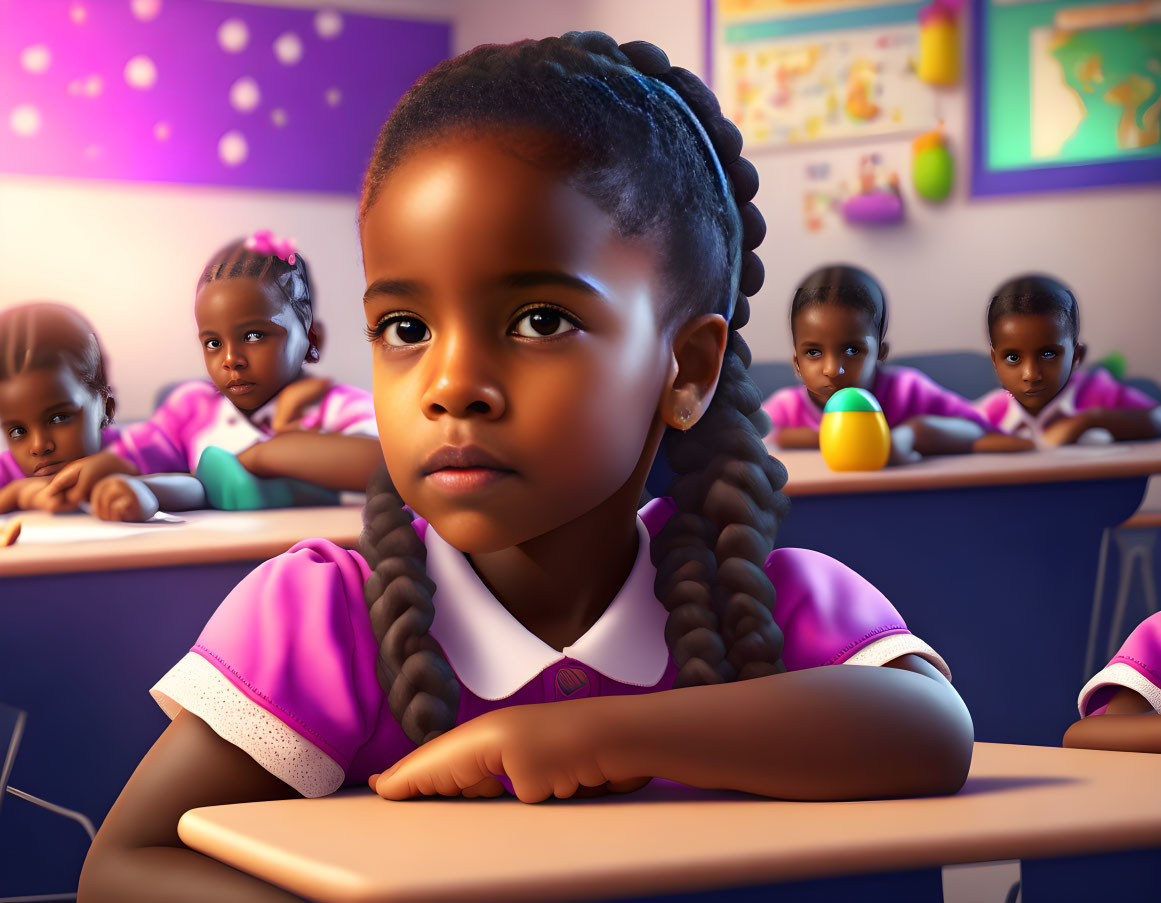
[(44, 334), (846, 285), (293, 279), (647, 143), (1036, 295)]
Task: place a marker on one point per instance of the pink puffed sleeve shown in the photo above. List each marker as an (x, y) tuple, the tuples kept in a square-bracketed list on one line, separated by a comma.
[(905, 392), (9, 471), (829, 615), (1101, 390), (791, 407), (1137, 666), (344, 409), (285, 668), (994, 406), (162, 443)]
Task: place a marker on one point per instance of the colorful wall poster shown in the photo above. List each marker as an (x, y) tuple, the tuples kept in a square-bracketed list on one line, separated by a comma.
[(794, 72), (1067, 94)]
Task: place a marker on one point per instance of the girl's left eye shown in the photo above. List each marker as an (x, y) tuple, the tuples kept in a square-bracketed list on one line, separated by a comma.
[(60, 418), (850, 351), (252, 336), (542, 323), (1049, 355)]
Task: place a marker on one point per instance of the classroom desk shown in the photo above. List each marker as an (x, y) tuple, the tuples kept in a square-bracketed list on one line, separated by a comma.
[(86, 628), (1019, 802), (990, 558)]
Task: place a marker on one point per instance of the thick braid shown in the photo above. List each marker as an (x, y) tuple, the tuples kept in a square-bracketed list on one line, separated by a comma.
[(422, 691), (710, 555)]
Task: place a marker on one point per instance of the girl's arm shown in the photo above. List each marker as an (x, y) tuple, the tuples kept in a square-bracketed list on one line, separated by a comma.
[(21, 494), (125, 498), (798, 437), (937, 435), (1126, 423), (1129, 724), (831, 733), (325, 459), (74, 482), (1002, 442), (137, 855)]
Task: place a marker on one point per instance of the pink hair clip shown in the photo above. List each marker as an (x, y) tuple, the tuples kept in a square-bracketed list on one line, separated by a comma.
[(266, 242)]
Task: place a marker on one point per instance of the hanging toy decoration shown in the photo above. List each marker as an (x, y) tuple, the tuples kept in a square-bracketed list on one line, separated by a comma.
[(939, 42), (932, 169)]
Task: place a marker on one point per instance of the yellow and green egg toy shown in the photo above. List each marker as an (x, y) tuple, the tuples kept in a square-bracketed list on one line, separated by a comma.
[(853, 434)]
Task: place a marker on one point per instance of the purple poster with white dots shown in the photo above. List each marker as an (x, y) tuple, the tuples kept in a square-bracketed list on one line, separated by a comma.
[(202, 92)]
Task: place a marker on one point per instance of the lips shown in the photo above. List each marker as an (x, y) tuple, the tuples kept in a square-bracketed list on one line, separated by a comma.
[(48, 468), (239, 387), (467, 457)]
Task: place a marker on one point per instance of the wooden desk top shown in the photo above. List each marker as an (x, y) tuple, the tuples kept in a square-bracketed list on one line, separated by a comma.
[(1019, 802), (51, 544), (809, 475)]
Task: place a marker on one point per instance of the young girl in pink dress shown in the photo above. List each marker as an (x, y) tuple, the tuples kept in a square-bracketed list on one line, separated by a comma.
[(1120, 707), (838, 322), (1034, 332), (558, 243), (56, 408), (257, 329)]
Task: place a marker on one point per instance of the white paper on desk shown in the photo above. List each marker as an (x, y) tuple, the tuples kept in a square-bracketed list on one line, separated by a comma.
[(63, 528)]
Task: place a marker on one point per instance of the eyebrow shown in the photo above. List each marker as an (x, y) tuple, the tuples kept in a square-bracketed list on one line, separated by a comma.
[(59, 405), (406, 288)]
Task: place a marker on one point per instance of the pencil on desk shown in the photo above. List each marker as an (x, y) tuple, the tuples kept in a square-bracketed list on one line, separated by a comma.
[(9, 532)]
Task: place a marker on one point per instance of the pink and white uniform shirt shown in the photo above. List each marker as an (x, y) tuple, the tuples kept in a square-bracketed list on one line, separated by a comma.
[(903, 393), (1137, 666), (1084, 390), (196, 415), (285, 669)]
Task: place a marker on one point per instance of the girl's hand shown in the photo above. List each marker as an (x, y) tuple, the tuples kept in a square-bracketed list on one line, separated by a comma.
[(295, 398), (1068, 429), (903, 445), (20, 495), (545, 750), (74, 482), (124, 498)]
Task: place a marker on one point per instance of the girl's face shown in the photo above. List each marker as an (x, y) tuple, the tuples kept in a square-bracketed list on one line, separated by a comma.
[(835, 347), (518, 359), (252, 340), (1034, 355), (50, 418)]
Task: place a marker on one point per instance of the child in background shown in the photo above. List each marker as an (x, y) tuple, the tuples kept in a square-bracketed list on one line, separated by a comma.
[(838, 323), (257, 329), (1120, 707), (558, 248), (56, 407), (1034, 330)]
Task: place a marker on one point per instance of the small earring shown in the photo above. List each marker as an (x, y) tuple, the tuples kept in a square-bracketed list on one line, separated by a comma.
[(313, 353), (684, 417)]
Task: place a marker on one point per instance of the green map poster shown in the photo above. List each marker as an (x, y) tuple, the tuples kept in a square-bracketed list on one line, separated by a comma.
[(1070, 82)]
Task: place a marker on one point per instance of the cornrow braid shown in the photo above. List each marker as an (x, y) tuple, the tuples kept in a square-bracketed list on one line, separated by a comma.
[(648, 144), (235, 261)]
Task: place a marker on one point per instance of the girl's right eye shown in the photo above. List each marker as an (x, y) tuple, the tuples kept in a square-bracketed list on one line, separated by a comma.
[(1012, 358), (813, 352), (16, 432), (400, 331), (212, 344)]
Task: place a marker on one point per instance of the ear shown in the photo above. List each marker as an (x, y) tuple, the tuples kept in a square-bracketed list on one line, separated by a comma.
[(698, 349), (316, 336), (1079, 355), (110, 409), (884, 347), (992, 355)]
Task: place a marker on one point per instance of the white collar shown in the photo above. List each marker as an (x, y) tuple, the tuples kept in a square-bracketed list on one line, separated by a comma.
[(1017, 419), (494, 655)]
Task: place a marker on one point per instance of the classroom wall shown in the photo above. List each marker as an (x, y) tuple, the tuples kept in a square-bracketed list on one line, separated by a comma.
[(128, 254)]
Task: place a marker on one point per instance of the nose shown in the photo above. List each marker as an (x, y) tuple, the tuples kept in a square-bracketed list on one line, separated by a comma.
[(832, 366), (462, 381), (234, 358), (42, 443), (1031, 372)]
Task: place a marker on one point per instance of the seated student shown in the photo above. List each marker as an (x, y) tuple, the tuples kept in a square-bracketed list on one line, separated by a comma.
[(838, 323), (1033, 328), (257, 329), (1120, 708), (56, 407)]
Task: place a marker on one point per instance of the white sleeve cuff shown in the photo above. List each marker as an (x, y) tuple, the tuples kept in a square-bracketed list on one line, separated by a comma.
[(890, 647), (367, 427), (197, 686), (1119, 674)]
